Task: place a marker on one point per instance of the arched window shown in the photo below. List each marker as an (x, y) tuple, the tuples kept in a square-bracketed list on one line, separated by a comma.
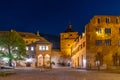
[(116, 59), (99, 59)]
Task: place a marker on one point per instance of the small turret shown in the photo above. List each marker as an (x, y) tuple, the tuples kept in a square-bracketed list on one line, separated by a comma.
[(38, 34)]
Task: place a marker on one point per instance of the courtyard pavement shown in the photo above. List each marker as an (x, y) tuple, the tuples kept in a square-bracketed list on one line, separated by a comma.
[(60, 74)]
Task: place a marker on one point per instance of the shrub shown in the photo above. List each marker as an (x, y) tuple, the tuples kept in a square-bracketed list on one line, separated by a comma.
[(6, 73)]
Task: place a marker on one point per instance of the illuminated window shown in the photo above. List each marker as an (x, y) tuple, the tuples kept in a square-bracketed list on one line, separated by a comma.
[(98, 42), (27, 48), (3, 49), (43, 47), (107, 42), (107, 30), (98, 20), (47, 48), (32, 48), (16, 48), (40, 48), (107, 20), (117, 20), (98, 30)]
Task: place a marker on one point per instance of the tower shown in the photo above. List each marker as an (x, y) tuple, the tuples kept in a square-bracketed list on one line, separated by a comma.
[(66, 39)]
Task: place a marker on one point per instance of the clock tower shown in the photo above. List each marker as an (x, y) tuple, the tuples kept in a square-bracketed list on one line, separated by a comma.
[(66, 39)]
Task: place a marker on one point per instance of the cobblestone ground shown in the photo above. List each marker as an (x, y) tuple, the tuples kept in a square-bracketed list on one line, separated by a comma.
[(60, 74)]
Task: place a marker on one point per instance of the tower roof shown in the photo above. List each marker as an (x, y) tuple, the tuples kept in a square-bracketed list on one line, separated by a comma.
[(69, 29)]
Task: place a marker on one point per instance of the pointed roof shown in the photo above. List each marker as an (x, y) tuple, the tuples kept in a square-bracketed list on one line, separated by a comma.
[(69, 29)]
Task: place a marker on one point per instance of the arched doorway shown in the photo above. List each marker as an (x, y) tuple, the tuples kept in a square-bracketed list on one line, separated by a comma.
[(47, 60), (40, 60)]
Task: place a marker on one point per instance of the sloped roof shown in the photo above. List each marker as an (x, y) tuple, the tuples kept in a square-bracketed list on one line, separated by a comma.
[(28, 35)]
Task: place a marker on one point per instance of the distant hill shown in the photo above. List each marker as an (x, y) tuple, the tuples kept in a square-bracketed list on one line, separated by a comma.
[(55, 40)]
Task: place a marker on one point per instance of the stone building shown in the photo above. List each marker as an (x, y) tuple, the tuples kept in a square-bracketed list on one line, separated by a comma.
[(66, 39), (102, 39), (38, 50), (78, 52)]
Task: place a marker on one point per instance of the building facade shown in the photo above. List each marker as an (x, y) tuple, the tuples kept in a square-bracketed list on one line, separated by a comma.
[(102, 39), (38, 50), (78, 52)]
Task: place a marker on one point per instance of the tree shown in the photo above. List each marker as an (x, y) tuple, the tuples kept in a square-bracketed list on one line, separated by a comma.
[(12, 45)]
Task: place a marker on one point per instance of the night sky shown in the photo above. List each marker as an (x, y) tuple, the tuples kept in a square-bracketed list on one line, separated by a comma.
[(52, 16)]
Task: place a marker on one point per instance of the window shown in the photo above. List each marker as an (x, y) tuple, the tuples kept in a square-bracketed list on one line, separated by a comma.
[(47, 48), (107, 20), (16, 48), (117, 20), (98, 42), (32, 48), (119, 30), (107, 42), (70, 35), (98, 30), (40, 48), (107, 31), (43, 48), (26, 42), (99, 59), (116, 59), (98, 20), (27, 48), (68, 44), (83, 44), (118, 42)]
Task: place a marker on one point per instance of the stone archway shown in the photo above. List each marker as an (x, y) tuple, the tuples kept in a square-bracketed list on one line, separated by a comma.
[(40, 60), (47, 60)]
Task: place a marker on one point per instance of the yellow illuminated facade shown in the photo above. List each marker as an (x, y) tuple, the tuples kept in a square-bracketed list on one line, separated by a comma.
[(78, 52), (66, 39), (102, 39)]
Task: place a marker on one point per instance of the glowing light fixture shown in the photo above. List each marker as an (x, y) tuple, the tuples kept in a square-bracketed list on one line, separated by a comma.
[(29, 60)]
